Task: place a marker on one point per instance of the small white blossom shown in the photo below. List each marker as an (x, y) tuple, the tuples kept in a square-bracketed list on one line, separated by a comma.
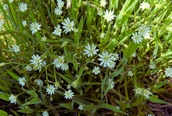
[(130, 73), (34, 27), (168, 72), (81, 107), (37, 62), (24, 23), (22, 7), (58, 62), (152, 66), (103, 3), (106, 59), (15, 48), (100, 12), (111, 84), (60, 3), (57, 30), (144, 5), (144, 31), (28, 68), (136, 37), (1, 23), (39, 82), (68, 94), (58, 11), (134, 54), (68, 4), (45, 113), (5, 6), (22, 81), (109, 15), (96, 70), (67, 25), (64, 67), (43, 38), (10, 1), (116, 55), (13, 99), (50, 89), (102, 35), (138, 91), (90, 50), (147, 93), (68, 86)]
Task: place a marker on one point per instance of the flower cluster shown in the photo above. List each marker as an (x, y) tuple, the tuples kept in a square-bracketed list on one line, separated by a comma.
[(59, 62), (143, 31), (143, 92), (168, 72)]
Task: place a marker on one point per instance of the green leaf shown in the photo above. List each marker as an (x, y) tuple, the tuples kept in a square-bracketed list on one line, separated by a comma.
[(75, 63), (65, 78), (35, 100), (117, 72), (32, 93), (25, 109), (112, 108), (155, 99), (103, 87), (159, 85), (66, 105), (132, 47), (3, 113), (13, 75), (4, 96)]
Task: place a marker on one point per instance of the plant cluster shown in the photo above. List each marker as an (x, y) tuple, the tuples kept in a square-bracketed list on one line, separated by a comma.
[(85, 57)]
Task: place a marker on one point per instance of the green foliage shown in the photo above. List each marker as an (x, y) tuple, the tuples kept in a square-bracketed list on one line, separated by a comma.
[(42, 65)]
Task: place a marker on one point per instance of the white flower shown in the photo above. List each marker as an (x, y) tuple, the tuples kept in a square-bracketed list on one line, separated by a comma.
[(144, 5), (152, 66), (146, 93), (28, 68), (45, 113), (67, 25), (81, 107), (34, 27), (138, 91), (100, 12), (5, 6), (168, 72), (136, 37), (13, 98), (103, 3), (68, 94), (68, 4), (22, 81), (68, 86), (116, 55), (57, 30), (106, 59), (15, 48), (96, 70), (1, 23), (10, 1), (134, 54), (112, 64), (109, 15), (37, 62), (60, 4), (144, 30), (130, 73), (102, 35), (90, 50), (24, 23), (64, 67), (58, 62), (50, 89), (57, 11), (43, 38), (111, 84), (22, 7), (39, 82)]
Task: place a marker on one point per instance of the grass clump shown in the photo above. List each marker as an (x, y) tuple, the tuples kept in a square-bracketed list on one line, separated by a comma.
[(77, 57)]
